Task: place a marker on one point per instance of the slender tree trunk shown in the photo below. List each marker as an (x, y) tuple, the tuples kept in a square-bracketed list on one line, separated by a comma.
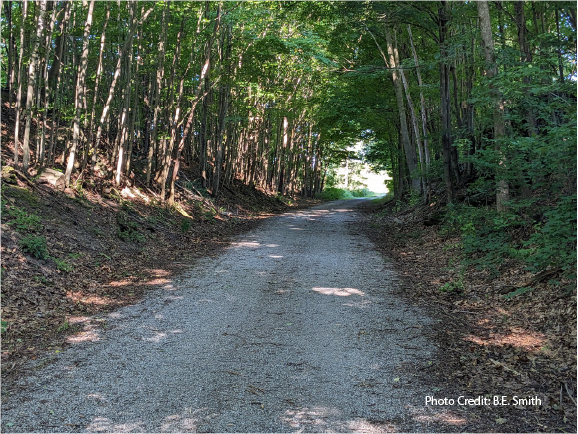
[(410, 154), (32, 74), (82, 68), (20, 79), (502, 188), (155, 100), (92, 146), (445, 102)]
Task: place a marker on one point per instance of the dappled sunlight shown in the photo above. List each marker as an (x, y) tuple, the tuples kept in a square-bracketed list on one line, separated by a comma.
[(328, 421), (104, 424), (79, 297), (117, 283), (89, 331), (445, 417), (84, 336), (156, 338), (519, 338), (178, 423), (187, 421), (158, 272), (342, 292), (276, 256), (370, 426), (247, 244), (157, 282)]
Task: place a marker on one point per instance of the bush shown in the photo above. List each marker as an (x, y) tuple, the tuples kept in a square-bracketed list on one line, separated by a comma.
[(23, 221), (488, 238), (34, 245)]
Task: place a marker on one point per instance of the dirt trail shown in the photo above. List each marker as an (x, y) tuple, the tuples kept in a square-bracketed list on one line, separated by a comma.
[(295, 328)]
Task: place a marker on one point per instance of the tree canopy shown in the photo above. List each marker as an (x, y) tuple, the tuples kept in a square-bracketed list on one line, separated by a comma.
[(464, 103)]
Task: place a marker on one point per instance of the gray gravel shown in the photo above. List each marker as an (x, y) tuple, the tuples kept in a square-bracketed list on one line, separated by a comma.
[(295, 328)]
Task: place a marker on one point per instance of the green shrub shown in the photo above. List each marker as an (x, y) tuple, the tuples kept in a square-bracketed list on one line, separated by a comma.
[(22, 220), (488, 238), (131, 235), (62, 265), (34, 245)]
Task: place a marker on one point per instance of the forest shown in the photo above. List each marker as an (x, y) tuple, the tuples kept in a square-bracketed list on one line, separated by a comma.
[(470, 107), (464, 103)]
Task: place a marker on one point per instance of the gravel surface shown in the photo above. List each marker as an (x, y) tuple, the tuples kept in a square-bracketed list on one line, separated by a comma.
[(295, 328)]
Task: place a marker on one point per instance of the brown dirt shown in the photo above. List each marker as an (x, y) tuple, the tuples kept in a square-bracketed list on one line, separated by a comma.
[(488, 345)]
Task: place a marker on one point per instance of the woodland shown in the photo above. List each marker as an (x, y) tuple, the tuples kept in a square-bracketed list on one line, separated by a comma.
[(469, 106)]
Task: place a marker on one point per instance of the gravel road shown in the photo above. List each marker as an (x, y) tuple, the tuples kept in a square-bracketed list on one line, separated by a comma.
[(295, 328)]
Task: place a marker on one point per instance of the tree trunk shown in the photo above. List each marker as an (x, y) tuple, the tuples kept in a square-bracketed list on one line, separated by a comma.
[(79, 94), (410, 154), (20, 79), (502, 188), (445, 103), (32, 71)]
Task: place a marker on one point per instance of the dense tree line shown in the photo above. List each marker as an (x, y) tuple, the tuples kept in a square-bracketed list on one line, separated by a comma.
[(472, 104), (463, 102), (137, 89)]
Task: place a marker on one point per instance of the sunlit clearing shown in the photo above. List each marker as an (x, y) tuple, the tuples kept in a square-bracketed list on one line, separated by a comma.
[(342, 292), (524, 339), (103, 424)]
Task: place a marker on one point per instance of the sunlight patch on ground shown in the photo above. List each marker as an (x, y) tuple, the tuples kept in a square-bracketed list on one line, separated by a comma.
[(320, 418), (84, 336), (157, 282), (342, 292), (118, 283), (524, 339), (446, 418), (103, 424), (250, 244), (79, 297), (156, 338)]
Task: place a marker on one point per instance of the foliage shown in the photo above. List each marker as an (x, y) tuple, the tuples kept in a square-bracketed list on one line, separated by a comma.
[(35, 245), (22, 220), (131, 235), (333, 193), (3, 326), (62, 265)]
